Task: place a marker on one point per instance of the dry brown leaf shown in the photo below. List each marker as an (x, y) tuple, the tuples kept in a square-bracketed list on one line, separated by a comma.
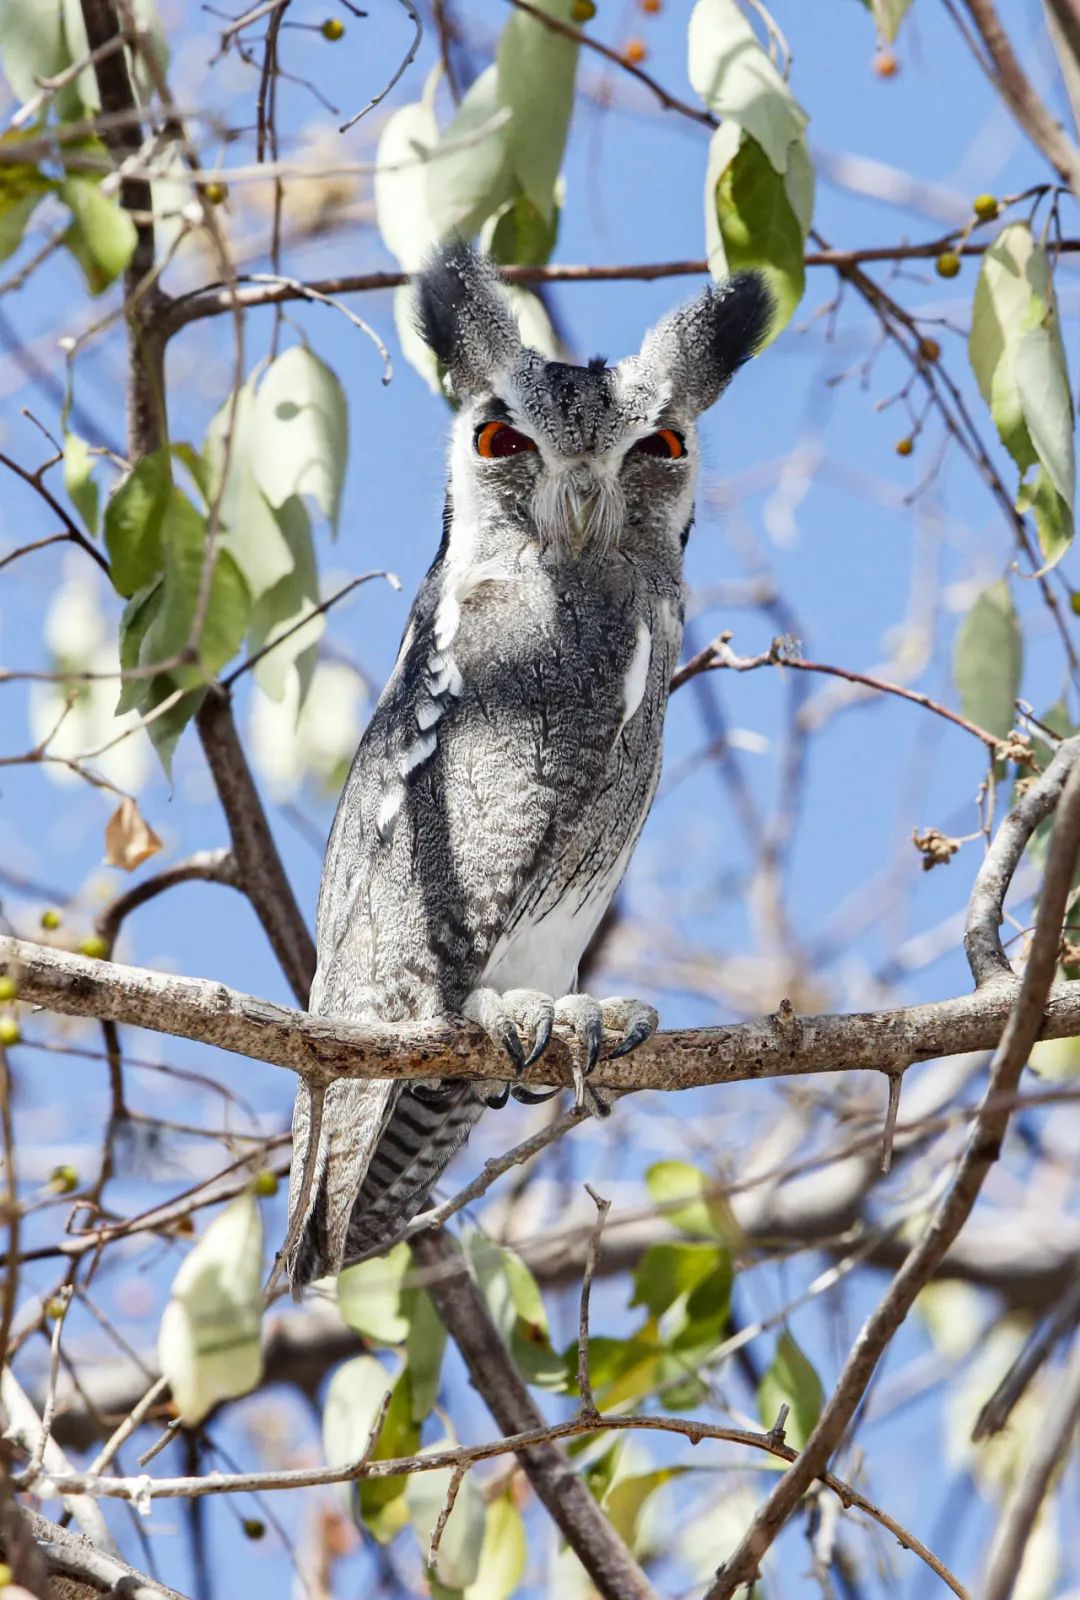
[(129, 838)]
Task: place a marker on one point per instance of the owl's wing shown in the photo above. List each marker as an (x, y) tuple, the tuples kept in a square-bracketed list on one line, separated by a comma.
[(464, 782)]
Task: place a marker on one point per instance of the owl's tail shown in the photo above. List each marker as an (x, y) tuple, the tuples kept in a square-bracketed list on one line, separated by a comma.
[(381, 1147)]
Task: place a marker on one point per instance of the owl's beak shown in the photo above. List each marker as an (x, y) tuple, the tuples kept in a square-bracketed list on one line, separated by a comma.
[(578, 509)]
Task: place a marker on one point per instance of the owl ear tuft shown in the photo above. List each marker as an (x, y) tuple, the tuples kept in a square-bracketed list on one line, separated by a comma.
[(462, 313), (701, 346)]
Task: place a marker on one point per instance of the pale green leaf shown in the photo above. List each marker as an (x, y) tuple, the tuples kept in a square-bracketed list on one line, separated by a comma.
[(889, 14), (292, 598), (382, 1500), (133, 520), (144, 13), (503, 1554), (1043, 386), (416, 351), (353, 1397), (737, 81), (517, 1309), (750, 222), (1053, 518), (677, 1190), (101, 236), (1007, 304), (1056, 1060), (626, 1501), (687, 1287), (987, 659), (401, 184), (799, 184), (250, 530), (135, 620), (521, 235), (209, 1344), (79, 481), (33, 44), (300, 432), (533, 322), (457, 1561), (470, 176), (22, 186), (425, 1345), (791, 1381), (370, 1294), (536, 68)]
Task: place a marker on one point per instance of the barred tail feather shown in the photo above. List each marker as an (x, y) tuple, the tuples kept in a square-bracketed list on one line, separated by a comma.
[(380, 1151)]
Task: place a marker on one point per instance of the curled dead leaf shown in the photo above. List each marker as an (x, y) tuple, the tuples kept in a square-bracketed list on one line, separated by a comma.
[(129, 838)]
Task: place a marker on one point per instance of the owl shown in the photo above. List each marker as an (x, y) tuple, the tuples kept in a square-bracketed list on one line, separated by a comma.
[(501, 785)]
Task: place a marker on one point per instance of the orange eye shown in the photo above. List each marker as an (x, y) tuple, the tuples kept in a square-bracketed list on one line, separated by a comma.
[(667, 444), (496, 439)]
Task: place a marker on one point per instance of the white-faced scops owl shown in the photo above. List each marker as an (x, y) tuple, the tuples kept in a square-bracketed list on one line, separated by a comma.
[(511, 761)]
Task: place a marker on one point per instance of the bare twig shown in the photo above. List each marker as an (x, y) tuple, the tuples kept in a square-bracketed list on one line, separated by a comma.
[(592, 1256)]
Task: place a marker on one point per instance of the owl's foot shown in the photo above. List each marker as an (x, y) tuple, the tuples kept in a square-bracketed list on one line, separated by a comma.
[(504, 1017)]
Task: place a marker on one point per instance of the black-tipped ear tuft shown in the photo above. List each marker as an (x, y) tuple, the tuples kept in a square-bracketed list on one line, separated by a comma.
[(462, 313), (701, 346)]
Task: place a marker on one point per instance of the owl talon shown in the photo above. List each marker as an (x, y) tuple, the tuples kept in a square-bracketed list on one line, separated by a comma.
[(635, 1020), (496, 1100), (532, 1097)]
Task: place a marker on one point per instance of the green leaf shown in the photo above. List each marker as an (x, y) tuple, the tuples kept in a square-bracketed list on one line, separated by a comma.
[(1005, 307), (750, 220), (889, 14), (678, 1189), (688, 1288), (353, 1397), (517, 1309), (535, 68), (250, 530), (737, 81), (791, 1381), (279, 609), (165, 730), (78, 480), (1055, 1060), (33, 44), (401, 184), (137, 616), (1053, 518), (133, 519), (425, 1345), (1043, 386), (470, 176), (101, 236), (626, 1500), (210, 1346), (22, 186), (503, 1554), (457, 1560), (300, 432), (370, 1296), (382, 1500), (183, 540), (521, 235), (987, 659)]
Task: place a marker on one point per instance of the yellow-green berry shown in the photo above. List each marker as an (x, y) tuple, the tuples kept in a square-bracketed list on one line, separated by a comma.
[(266, 1184), (7, 1577), (55, 1308), (51, 919), (582, 11), (1074, 602), (904, 447), (947, 264), (94, 946), (64, 1179), (8, 988), (985, 207), (254, 1528), (333, 29), (215, 193), (10, 1032)]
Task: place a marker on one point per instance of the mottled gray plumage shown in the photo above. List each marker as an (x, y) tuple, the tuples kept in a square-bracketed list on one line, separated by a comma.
[(500, 787)]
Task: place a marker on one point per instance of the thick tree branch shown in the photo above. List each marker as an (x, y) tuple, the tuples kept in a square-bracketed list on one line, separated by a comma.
[(79, 1571), (322, 1049), (463, 1309), (953, 1210)]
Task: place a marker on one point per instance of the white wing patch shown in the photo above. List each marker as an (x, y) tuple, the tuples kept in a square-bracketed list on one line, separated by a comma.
[(389, 806), (418, 752), (637, 674)]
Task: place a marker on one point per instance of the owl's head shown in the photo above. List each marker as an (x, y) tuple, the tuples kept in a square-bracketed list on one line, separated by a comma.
[(579, 459)]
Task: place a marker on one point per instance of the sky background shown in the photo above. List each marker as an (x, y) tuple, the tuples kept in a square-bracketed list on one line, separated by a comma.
[(801, 482)]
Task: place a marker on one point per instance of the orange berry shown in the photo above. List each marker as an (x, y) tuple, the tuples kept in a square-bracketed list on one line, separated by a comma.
[(885, 64), (635, 52), (929, 349), (583, 11), (652, 8), (904, 447)]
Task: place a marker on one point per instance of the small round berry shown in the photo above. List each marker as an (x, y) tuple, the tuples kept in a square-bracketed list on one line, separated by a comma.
[(8, 988), (64, 1180), (215, 193), (51, 919), (254, 1528), (265, 1184), (885, 64), (652, 8), (985, 207), (10, 1032), (7, 1577), (635, 52), (929, 349), (55, 1308), (333, 29), (904, 447), (583, 10), (1074, 602), (94, 946), (947, 264)]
